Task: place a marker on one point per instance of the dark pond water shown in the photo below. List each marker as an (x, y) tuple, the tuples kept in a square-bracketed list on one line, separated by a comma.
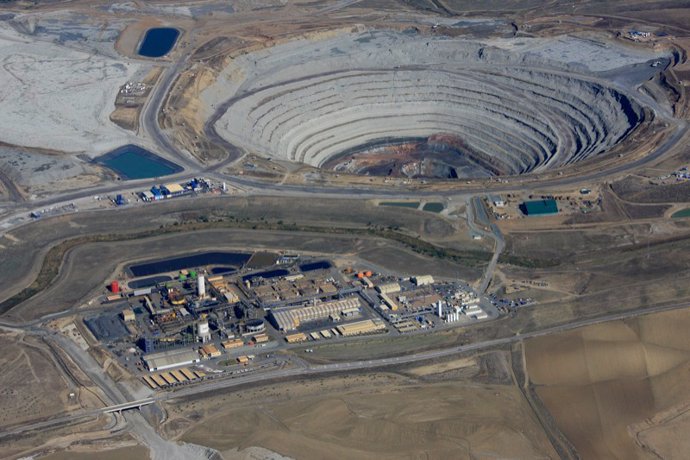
[(198, 260), (322, 265), (158, 41)]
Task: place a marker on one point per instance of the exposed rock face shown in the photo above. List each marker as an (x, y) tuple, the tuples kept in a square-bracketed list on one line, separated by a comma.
[(515, 110)]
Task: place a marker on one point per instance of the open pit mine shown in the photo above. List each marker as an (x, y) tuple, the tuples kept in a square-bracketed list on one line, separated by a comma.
[(396, 103)]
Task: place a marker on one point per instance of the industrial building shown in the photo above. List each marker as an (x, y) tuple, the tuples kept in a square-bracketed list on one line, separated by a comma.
[(388, 288), (255, 325), (367, 326), (260, 338), (423, 280), (388, 302), (128, 315), (209, 351), (406, 325), (203, 332), (497, 201), (232, 343), (476, 312), (170, 359), (539, 207), (296, 338), (172, 189), (224, 289), (289, 320)]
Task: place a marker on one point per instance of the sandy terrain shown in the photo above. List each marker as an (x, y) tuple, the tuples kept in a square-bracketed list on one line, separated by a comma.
[(32, 387), (131, 453), (618, 390), (68, 93), (379, 415)]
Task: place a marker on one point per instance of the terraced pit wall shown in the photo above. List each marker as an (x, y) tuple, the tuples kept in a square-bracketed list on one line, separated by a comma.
[(517, 110)]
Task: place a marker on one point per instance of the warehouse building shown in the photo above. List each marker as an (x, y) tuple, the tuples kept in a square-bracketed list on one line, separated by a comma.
[(423, 280), (128, 315), (289, 320), (170, 359), (260, 338), (539, 208), (388, 288), (368, 326), (388, 302), (296, 338), (172, 189), (497, 201), (232, 343), (209, 351)]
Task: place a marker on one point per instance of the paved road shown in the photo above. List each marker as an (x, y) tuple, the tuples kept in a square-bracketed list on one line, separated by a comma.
[(477, 213)]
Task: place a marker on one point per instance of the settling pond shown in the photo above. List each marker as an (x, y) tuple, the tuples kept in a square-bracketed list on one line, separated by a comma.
[(133, 162), (681, 213), (158, 42), (235, 259)]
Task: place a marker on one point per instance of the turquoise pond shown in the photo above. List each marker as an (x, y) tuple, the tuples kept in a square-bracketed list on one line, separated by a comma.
[(133, 162), (681, 213)]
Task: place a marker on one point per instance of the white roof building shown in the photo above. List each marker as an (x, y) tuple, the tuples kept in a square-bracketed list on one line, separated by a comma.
[(169, 359)]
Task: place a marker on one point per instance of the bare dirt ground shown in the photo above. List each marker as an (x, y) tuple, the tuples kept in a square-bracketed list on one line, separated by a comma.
[(438, 413), (617, 390), (38, 384), (607, 269), (32, 376), (132, 453)]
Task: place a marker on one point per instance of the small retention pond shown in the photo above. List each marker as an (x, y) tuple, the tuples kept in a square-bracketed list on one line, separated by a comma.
[(235, 259), (401, 204), (158, 42), (134, 162), (321, 265), (681, 213), (433, 207)]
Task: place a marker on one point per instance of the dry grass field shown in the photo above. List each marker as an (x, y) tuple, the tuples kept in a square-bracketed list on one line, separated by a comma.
[(31, 387), (618, 390), (367, 416)]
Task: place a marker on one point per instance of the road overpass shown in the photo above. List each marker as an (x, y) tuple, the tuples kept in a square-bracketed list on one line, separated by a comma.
[(138, 404)]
